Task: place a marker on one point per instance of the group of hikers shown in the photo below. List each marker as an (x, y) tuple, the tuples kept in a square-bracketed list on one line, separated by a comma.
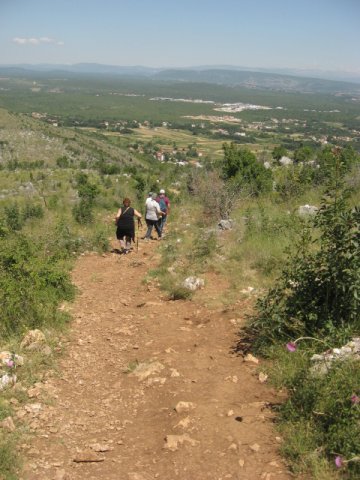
[(157, 208)]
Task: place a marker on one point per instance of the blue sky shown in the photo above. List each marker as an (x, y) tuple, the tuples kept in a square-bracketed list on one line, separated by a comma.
[(304, 34)]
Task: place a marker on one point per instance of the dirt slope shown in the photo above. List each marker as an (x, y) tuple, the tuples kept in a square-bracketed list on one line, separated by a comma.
[(132, 357)]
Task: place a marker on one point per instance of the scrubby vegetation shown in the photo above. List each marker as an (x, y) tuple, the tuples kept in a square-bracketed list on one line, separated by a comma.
[(318, 291), (309, 269), (315, 301), (60, 186)]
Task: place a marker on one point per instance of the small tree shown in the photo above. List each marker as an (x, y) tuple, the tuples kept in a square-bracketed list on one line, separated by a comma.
[(278, 152), (63, 162), (241, 167), (83, 211), (13, 217), (140, 185), (304, 154)]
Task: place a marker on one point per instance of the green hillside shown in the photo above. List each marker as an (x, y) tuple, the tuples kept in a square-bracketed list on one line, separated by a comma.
[(72, 148)]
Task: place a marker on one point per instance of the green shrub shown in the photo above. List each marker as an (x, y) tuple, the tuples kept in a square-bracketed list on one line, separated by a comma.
[(32, 211), (178, 292), (4, 230), (140, 185), (100, 240), (5, 410), (64, 242), (293, 181), (242, 167), (109, 168), (319, 289), (203, 247), (63, 162), (31, 286), (53, 202), (83, 211), (320, 420), (317, 296), (8, 457), (13, 217), (266, 263)]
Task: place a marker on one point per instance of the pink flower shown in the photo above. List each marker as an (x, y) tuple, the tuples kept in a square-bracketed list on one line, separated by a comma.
[(291, 346), (10, 363), (355, 399), (338, 461)]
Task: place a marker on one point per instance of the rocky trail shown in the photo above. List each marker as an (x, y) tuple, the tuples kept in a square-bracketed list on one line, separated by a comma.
[(149, 388)]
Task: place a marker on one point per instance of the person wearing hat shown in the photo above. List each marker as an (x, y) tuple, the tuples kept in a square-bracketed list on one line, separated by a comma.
[(164, 204), (152, 215)]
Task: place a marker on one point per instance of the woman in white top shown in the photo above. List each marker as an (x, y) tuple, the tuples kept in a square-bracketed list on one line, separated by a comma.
[(152, 215)]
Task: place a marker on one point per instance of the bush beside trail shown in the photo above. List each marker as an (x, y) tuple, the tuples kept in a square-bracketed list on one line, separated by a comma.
[(31, 284), (315, 305)]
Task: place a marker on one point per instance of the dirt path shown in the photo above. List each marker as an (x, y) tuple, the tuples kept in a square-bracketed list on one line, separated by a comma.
[(102, 423)]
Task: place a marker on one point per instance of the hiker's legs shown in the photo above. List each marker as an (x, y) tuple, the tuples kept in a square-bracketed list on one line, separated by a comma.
[(163, 221), (122, 243), (150, 225), (128, 243), (158, 229)]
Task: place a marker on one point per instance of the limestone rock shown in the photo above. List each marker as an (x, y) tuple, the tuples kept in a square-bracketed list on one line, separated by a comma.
[(34, 392), (144, 370), (7, 380), (98, 447), (285, 161), (155, 381), (184, 407), (262, 377), (46, 350), (225, 224), (255, 447), (193, 283), (33, 408), (251, 359), (322, 362), (184, 423), (247, 290), (173, 441), (8, 424), (33, 340), (307, 210)]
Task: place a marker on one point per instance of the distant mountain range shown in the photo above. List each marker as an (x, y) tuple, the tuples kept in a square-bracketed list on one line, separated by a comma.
[(278, 79)]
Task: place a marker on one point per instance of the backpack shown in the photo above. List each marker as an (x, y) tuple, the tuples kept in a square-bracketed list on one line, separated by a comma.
[(162, 204)]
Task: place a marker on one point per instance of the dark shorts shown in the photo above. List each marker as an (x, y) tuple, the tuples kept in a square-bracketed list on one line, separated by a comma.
[(151, 222), (122, 232)]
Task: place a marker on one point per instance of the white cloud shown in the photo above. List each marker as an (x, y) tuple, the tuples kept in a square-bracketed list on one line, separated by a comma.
[(36, 41), (46, 40)]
